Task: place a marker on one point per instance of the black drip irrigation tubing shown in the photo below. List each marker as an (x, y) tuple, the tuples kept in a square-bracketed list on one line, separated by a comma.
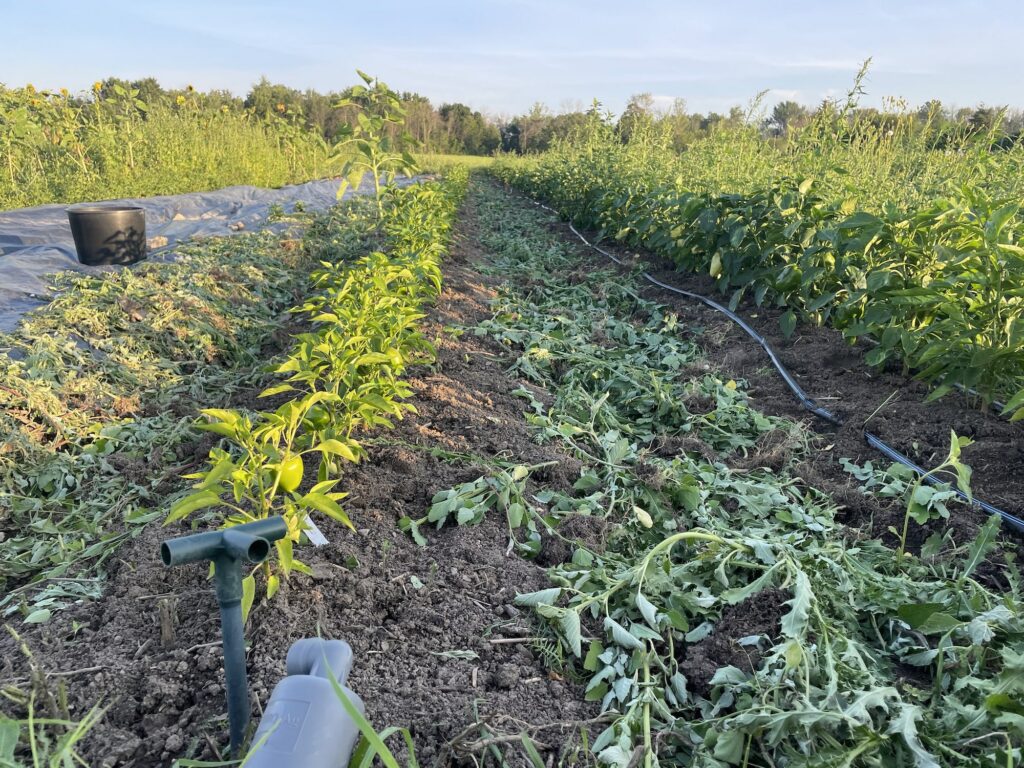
[(806, 401)]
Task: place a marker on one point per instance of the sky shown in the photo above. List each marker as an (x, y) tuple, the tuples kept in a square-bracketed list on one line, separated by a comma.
[(502, 56)]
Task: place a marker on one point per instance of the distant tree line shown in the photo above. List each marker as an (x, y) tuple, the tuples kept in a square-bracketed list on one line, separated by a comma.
[(454, 128), (458, 128)]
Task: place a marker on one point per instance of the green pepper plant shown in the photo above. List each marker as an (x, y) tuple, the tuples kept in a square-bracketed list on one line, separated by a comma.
[(344, 376)]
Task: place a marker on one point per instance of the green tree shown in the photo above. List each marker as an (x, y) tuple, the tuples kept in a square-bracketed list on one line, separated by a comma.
[(468, 131), (788, 115), (267, 98), (639, 113)]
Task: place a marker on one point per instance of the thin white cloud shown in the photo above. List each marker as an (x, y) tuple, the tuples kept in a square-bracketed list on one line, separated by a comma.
[(773, 95)]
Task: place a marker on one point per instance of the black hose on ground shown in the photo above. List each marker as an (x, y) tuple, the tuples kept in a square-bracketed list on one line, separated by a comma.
[(895, 455), (806, 401)]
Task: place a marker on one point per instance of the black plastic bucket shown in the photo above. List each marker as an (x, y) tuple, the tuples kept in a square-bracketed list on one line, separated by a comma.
[(108, 234)]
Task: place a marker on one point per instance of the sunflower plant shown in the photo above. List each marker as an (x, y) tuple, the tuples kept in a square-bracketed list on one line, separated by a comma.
[(377, 143)]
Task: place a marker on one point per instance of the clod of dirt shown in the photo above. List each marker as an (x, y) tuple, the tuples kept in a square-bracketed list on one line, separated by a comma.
[(758, 615)]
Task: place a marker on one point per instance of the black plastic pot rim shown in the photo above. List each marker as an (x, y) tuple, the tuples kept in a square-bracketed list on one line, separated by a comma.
[(98, 208)]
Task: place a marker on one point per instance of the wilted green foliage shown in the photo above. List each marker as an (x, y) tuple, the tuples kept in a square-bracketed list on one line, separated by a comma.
[(872, 660), (91, 388)]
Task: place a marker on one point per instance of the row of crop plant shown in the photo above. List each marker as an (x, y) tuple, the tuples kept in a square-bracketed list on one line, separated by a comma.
[(98, 393), (342, 376), (725, 616)]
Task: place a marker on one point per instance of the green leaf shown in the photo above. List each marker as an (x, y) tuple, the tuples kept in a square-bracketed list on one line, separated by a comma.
[(338, 448), (277, 389), (1015, 402), (860, 219), (794, 623), (821, 301), (621, 635), (739, 594), (248, 595), (788, 323), (328, 506), (728, 675), (592, 663), (794, 654), (545, 596), (729, 747), (220, 471), (195, 501), (412, 527), (648, 611), (222, 414), (916, 614), (531, 751), (9, 730), (569, 625), (984, 543), (284, 554), (375, 744), (905, 725), (40, 616), (938, 624)]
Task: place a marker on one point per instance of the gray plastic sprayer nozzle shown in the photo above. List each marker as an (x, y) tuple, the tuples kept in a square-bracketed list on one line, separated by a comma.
[(305, 724), (226, 549)]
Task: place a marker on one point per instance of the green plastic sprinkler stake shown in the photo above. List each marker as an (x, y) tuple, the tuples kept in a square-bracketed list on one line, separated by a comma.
[(226, 549)]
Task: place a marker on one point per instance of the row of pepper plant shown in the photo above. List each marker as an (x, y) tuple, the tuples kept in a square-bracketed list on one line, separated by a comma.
[(341, 376), (938, 286)]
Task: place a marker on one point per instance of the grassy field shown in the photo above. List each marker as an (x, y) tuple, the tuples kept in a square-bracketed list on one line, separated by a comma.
[(62, 150), (433, 163)]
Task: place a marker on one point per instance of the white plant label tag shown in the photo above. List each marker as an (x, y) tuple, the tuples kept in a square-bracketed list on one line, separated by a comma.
[(316, 538)]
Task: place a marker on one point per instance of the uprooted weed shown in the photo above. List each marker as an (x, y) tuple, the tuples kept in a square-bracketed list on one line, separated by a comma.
[(867, 660)]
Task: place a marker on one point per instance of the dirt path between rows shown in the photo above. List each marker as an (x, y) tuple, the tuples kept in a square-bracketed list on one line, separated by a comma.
[(401, 608)]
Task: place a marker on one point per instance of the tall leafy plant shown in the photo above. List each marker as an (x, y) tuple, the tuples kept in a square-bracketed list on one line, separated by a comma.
[(377, 143)]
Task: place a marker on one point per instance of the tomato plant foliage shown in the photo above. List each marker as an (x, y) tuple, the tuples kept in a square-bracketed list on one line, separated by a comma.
[(875, 657)]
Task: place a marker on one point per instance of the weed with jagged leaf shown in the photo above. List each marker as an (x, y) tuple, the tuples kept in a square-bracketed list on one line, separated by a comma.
[(871, 660)]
